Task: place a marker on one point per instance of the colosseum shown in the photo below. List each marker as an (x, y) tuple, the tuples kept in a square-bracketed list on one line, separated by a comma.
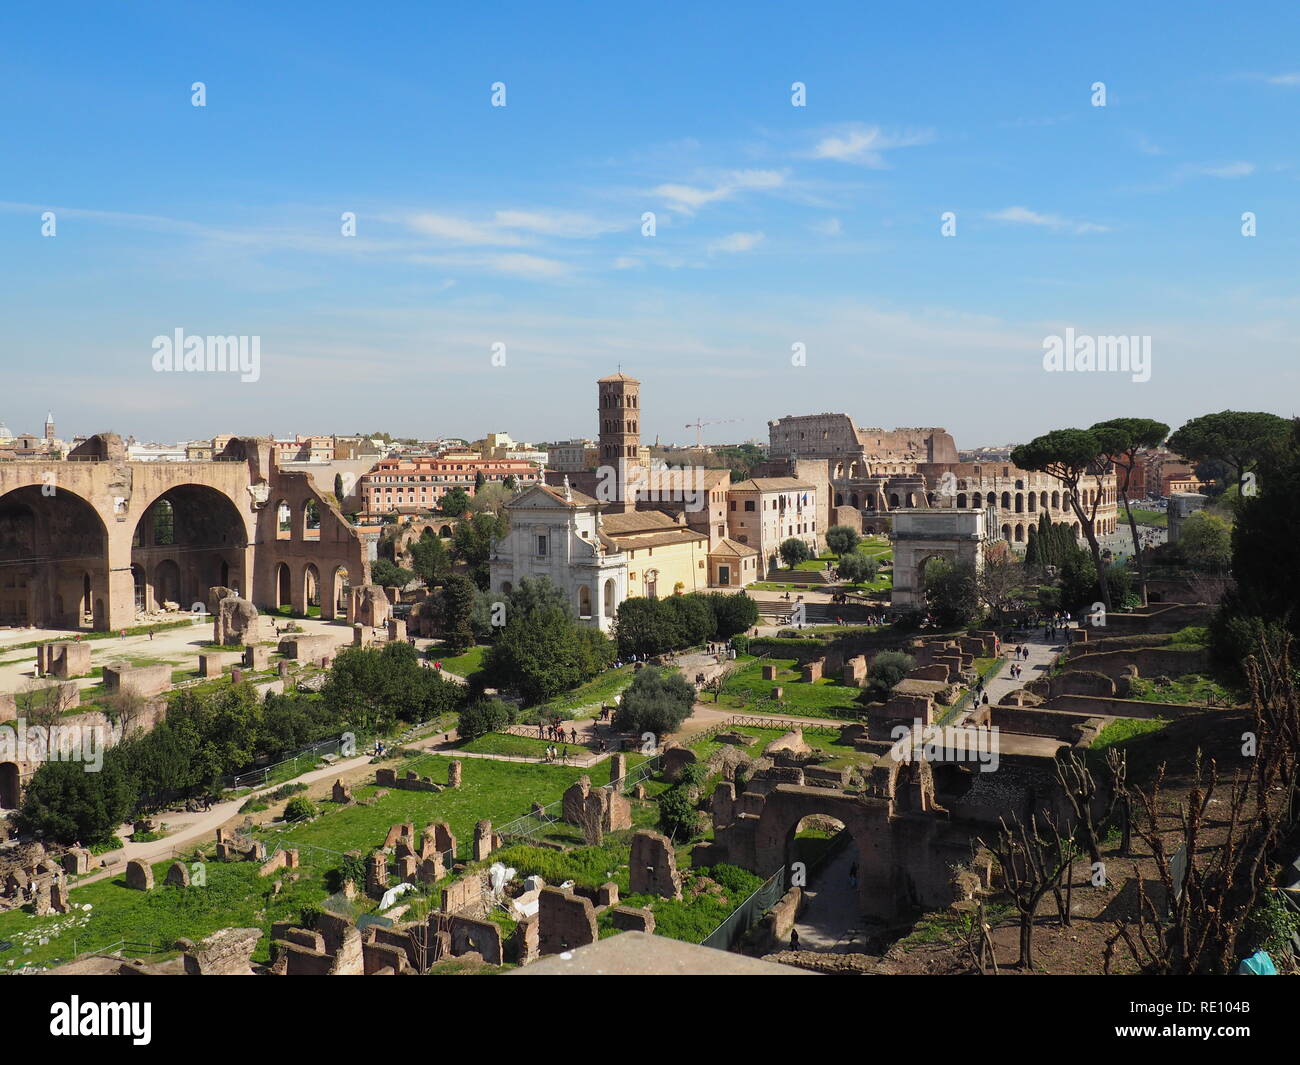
[(875, 471)]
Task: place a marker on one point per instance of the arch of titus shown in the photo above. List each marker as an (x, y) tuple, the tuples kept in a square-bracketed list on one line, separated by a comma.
[(89, 541), (919, 536)]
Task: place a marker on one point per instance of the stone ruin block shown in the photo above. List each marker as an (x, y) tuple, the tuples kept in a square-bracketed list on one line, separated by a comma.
[(769, 672), (341, 793), (954, 664), (178, 874), (437, 839), (812, 671), (617, 768), (465, 895), (256, 656), (396, 630), (455, 770), (397, 832), (607, 895), (385, 778), (42, 900), (213, 664), (935, 671), (225, 953), (369, 606), (482, 840), (59, 900), (139, 875), (430, 870), (76, 861), (633, 919), (564, 922), (144, 680), (408, 868), (281, 859), (377, 873), (358, 636), (826, 778), (468, 936), (676, 758), (573, 806), (63, 659), (303, 648), (723, 804), (854, 671), (653, 866), (381, 959)]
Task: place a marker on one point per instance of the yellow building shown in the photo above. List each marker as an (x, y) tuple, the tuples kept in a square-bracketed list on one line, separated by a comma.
[(664, 556)]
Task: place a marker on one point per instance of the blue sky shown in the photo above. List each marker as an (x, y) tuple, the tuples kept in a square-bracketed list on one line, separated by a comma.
[(522, 225)]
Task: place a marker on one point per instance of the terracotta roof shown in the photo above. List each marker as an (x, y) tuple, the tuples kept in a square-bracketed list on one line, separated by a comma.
[(683, 478), (633, 541), (772, 484), (618, 377), (621, 524), (728, 546)]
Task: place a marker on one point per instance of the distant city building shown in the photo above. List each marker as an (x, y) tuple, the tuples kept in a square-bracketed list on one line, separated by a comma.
[(422, 481), (572, 456)]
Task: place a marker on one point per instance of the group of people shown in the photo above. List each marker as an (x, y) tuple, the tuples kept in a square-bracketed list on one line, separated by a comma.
[(557, 754), (556, 732)]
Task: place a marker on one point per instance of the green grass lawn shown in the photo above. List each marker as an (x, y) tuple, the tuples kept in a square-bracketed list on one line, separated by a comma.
[(1191, 689), (234, 896), (1157, 518), (1126, 728), (826, 698), (586, 697), (497, 791), (464, 665), (838, 755)]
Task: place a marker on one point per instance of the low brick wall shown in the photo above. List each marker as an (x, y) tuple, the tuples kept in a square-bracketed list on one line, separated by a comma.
[(1092, 706)]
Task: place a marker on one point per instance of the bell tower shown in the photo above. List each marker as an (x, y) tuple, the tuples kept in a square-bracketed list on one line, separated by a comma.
[(619, 414)]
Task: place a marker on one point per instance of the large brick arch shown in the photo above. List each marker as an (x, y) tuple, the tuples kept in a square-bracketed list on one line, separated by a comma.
[(54, 554), (244, 478)]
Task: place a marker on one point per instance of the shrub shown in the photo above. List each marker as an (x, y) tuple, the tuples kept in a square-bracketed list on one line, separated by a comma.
[(857, 569), (886, 670), (300, 809), (480, 718), (793, 551), (677, 814), (842, 539), (740, 883), (657, 701)]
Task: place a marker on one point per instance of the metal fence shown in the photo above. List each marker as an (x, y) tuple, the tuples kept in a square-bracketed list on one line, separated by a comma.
[(747, 914)]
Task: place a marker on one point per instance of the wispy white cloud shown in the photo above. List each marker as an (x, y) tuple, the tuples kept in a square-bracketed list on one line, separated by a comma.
[(830, 227), (1228, 170), (736, 242), (866, 145), (506, 264), (1025, 216), (690, 198), (508, 228), (1147, 147)]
